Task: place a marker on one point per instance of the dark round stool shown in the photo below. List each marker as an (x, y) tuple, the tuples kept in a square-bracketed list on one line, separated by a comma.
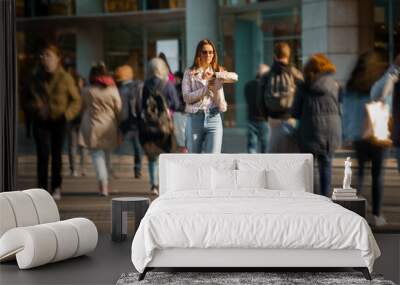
[(119, 214)]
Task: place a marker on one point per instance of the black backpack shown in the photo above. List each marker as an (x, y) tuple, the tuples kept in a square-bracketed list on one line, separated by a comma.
[(155, 125), (279, 90), (130, 122)]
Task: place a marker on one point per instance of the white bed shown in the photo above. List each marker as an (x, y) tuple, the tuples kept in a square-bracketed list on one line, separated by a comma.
[(253, 211)]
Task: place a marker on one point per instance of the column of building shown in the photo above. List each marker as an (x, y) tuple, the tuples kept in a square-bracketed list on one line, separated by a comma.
[(341, 29), (201, 22)]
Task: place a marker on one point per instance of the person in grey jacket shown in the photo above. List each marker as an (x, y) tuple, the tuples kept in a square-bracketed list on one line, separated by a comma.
[(157, 82), (316, 106), (369, 67), (100, 120)]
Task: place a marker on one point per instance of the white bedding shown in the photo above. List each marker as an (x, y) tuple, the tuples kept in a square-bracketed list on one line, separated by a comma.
[(252, 218)]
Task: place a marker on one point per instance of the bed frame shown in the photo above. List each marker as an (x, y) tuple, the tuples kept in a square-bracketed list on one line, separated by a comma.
[(242, 259), (246, 259)]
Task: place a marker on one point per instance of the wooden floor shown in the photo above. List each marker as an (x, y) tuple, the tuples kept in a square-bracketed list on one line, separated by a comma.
[(80, 198)]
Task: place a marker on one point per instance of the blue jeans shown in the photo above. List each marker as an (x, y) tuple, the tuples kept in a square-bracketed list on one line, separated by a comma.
[(180, 120), (325, 172), (204, 132), (101, 160), (153, 171), (257, 134), (137, 154)]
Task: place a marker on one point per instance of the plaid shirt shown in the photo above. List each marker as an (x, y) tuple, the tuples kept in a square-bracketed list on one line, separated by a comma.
[(196, 94)]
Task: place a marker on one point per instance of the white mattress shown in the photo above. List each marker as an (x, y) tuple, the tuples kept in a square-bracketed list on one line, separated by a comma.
[(256, 218)]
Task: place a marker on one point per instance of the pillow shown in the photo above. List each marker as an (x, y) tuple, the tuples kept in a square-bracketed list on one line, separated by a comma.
[(281, 174), (251, 178), (183, 177), (224, 179), (292, 179)]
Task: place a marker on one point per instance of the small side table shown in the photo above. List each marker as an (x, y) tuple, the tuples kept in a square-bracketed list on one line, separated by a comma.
[(119, 214), (358, 206)]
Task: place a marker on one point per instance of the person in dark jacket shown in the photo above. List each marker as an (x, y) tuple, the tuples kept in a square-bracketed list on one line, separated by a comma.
[(257, 126), (157, 79), (316, 106), (130, 91), (52, 101)]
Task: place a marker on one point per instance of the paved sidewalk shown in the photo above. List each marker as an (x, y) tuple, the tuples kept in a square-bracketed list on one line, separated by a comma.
[(80, 193)]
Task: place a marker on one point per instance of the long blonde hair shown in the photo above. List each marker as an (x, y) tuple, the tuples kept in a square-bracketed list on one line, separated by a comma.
[(157, 68)]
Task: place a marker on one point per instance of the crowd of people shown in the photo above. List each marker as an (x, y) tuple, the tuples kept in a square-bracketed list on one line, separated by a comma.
[(288, 111), (310, 112)]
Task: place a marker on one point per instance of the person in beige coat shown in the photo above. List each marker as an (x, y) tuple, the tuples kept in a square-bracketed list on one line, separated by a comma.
[(99, 127)]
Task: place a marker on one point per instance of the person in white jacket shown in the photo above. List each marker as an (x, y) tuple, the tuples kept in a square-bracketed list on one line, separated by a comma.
[(389, 85), (204, 97)]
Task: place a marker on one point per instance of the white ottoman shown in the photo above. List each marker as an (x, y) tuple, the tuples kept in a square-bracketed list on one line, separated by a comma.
[(31, 232)]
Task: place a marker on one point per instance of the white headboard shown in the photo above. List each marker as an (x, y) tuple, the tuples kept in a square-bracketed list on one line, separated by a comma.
[(212, 159)]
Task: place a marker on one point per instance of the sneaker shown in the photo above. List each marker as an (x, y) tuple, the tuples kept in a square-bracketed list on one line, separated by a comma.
[(74, 173), (379, 221), (138, 175), (154, 189), (103, 189), (57, 194)]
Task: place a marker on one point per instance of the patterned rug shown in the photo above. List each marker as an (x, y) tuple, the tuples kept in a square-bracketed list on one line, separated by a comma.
[(243, 278)]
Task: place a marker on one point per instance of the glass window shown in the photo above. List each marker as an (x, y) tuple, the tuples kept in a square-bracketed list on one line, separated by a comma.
[(112, 6), (171, 50), (282, 25)]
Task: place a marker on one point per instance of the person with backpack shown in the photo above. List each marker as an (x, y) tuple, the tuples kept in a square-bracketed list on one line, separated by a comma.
[(278, 88), (156, 131), (204, 96), (369, 67), (99, 126), (316, 106), (130, 91), (257, 126)]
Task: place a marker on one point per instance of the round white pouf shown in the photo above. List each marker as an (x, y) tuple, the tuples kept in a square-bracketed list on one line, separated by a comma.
[(52, 242)]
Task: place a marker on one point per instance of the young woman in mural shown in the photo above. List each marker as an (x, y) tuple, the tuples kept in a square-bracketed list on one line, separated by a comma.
[(204, 97)]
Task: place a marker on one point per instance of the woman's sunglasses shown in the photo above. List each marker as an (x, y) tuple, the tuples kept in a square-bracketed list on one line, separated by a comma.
[(207, 52)]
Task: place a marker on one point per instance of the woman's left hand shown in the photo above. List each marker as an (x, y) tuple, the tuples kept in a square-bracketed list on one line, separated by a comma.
[(211, 84)]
